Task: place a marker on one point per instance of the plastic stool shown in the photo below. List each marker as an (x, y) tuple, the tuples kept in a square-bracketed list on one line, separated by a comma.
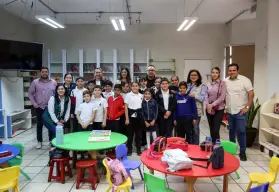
[(60, 169), (91, 165)]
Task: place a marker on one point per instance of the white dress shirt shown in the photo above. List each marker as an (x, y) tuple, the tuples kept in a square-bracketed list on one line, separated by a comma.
[(78, 94), (166, 96)]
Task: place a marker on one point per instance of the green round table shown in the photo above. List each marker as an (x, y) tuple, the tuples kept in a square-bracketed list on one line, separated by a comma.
[(79, 142)]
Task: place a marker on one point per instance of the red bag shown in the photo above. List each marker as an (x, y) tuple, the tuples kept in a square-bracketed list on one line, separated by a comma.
[(183, 145), (158, 146)]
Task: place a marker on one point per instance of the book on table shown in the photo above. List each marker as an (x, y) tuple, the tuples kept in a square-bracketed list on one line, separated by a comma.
[(99, 136)]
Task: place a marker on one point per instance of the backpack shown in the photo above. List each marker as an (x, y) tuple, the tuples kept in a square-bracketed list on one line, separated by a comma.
[(118, 172), (158, 146), (183, 145), (217, 159), (57, 154)]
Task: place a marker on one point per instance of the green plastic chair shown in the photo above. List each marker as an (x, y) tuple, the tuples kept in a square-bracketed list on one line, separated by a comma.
[(18, 159), (231, 148), (154, 184)]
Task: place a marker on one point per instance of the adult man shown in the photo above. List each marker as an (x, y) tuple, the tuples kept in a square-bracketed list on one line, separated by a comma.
[(239, 98), (39, 92), (150, 77)]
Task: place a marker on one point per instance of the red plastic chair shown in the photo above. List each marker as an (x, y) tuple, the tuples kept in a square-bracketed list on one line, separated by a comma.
[(171, 139), (60, 169), (91, 165)]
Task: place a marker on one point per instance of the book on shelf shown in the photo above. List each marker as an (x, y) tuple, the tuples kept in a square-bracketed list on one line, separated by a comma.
[(100, 133)]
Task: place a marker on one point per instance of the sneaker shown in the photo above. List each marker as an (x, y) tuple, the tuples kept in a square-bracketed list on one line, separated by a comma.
[(138, 152), (129, 153), (243, 157), (39, 145)]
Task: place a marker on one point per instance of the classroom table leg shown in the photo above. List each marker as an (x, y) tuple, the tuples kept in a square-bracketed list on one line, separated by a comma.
[(225, 183), (190, 182), (74, 159)]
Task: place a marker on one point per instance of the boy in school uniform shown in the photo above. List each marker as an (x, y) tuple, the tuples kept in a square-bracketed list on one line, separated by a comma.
[(143, 85), (108, 89), (76, 99), (100, 119), (186, 115), (115, 109), (166, 105), (86, 113)]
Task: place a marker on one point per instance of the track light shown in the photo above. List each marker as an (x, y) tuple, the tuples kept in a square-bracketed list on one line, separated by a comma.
[(118, 23), (49, 21), (187, 23)]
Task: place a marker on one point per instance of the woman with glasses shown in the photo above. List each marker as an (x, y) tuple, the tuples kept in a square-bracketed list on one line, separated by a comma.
[(197, 90)]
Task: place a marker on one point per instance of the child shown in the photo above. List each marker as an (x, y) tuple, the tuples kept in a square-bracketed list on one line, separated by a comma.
[(186, 115), (115, 109), (174, 86), (108, 87), (90, 86), (166, 105), (125, 89), (143, 85), (157, 86), (133, 117), (76, 100), (86, 113), (149, 113), (100, 119)]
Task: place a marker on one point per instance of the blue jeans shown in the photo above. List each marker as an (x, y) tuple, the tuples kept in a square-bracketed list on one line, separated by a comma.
[(196, 132), (237, 124)]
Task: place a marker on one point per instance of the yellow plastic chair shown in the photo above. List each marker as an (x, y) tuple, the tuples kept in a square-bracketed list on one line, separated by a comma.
[(124, 186), (9, 179), (271, 176)]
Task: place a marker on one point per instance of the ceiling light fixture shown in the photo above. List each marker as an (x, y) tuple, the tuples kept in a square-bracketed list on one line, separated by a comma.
[(49, 21), (187, 23), (118, 23)]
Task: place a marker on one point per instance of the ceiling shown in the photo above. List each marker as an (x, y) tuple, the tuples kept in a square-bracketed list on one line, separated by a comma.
[(152, 11)]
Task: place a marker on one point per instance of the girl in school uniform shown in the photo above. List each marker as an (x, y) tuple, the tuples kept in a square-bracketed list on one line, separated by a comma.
[(149, 114), (133, 116)]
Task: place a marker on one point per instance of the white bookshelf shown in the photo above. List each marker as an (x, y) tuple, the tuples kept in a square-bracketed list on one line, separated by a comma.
[(269, 126)]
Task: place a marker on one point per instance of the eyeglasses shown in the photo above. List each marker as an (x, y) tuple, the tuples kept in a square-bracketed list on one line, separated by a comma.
[(193, 75)]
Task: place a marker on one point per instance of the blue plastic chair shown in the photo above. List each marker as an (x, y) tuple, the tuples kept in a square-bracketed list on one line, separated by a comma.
[(121, 154), (260, 188)]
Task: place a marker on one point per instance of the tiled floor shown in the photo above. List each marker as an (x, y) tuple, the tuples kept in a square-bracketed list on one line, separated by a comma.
[(35, 161)]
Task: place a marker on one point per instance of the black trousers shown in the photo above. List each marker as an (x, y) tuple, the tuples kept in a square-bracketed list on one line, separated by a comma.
[(113, 125), (214, 122), (97, 126), (135, 127), (76, 125), (39, 115), (185, 126), (166, 126), (123, 126)]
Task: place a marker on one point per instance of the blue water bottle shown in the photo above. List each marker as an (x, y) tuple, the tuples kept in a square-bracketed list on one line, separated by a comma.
[(217, 144), (59, 135)]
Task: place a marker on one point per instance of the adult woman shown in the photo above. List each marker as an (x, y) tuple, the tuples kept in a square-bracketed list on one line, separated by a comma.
[(215, 103), (57, 111), (196, 89), (124, 76), (68, 82), (98, 77)]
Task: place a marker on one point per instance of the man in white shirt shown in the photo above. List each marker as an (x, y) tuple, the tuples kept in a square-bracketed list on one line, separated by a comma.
[(239, 98)]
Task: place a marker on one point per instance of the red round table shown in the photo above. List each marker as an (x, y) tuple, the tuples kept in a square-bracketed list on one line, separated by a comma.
[(231, 164)]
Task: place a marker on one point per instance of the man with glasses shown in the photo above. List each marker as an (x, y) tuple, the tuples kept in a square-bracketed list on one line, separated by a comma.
[(150, 77)]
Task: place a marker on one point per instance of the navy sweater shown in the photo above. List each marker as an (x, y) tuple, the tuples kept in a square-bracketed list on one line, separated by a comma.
[(186, 107)]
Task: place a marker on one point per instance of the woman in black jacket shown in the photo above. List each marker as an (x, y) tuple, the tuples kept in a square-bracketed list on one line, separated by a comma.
[(149, 114)]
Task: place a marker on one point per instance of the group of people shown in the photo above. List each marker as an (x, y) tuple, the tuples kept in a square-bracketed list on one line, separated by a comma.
[(148, 107)]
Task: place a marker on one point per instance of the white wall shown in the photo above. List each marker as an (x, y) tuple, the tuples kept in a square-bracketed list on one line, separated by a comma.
[(205, 41), (242, 32), (15, 28)]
